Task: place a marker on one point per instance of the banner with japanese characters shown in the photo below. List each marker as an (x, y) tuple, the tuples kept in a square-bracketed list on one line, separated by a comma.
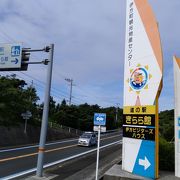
[(142, 85), (177, 114)]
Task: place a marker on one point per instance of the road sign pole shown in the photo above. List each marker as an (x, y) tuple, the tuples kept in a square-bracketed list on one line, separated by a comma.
[(45, 115), (97, 161), (25, 126)]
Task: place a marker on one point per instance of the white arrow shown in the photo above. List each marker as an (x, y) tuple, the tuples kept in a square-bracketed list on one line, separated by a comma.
[(99, 119), (144, 162)]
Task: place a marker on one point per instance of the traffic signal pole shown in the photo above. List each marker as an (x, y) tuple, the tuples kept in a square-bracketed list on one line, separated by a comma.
[(45, 115), (22, 58)]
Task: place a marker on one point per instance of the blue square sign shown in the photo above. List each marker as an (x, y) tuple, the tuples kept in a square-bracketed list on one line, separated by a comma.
[(100, 119), (178, 121), (15, 51)]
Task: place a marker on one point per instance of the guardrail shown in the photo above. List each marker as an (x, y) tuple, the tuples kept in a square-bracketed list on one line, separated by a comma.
[(75, 131), (65, 129)]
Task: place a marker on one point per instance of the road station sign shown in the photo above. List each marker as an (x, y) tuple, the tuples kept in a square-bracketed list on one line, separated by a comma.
[(139, 122), (10, 56), (100, 119), (142, 86)]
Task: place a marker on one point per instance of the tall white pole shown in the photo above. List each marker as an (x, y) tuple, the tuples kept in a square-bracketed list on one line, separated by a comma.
[(45, 115), (25, 126), (97, 161)]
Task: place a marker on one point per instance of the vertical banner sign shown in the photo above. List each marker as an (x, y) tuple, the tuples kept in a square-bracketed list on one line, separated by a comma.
[(142, 86), (177, 115)]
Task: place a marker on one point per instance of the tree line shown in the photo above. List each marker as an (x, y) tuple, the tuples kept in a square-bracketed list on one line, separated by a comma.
[(16, 97)]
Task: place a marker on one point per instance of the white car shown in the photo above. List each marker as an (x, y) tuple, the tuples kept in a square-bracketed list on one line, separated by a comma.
[(87, 139)]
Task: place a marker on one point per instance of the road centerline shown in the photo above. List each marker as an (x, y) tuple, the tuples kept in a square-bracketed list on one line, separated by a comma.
[(46, 151)]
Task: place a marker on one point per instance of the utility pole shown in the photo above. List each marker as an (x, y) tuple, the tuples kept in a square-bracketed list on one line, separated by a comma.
[(71, 85), (116, 112)]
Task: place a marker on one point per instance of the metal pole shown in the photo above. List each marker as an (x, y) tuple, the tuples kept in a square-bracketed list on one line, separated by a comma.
[(116, 114), (97, 160), (44, 124), (25, 126), (70, 93)]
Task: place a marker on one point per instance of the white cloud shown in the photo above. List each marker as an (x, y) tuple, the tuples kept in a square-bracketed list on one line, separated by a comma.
[(89, 42)]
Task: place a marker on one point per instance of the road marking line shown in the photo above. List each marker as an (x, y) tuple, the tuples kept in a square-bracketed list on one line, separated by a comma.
[(34, 146), (33, 154), (57, 162), (50, 150)]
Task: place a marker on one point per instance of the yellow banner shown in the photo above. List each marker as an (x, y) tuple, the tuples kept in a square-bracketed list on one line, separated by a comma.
[(151, 109)]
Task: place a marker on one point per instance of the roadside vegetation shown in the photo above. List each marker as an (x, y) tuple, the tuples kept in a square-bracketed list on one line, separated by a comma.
[(17, 98), (166, 143)]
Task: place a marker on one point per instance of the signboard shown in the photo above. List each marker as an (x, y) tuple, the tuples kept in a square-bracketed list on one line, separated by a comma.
[(142, 86), (103, 128), (99, 125), (26, 115), (100, 119), (139, 122), (10, 56), (177, 114)]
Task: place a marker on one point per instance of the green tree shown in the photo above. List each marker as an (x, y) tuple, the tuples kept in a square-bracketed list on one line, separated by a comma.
[(14, 100)]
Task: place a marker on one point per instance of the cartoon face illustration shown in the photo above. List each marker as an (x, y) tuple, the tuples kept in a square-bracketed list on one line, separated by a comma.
[(138, 78)]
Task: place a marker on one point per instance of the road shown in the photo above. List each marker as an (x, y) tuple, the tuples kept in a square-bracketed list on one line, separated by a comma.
[(14, 162)]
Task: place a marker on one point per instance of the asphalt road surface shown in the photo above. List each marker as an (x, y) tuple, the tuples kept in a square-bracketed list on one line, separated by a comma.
[(23, 160)]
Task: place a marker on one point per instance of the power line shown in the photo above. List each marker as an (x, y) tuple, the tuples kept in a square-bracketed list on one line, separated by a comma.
[(54, 90)]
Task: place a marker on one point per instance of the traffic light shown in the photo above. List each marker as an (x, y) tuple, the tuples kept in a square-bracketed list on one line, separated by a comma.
[(25, 59)]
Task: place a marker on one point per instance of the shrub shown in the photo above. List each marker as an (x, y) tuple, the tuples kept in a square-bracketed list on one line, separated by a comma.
[(166, 155)]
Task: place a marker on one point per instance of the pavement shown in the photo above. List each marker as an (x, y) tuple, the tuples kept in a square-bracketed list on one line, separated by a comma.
[(83, 168), (116, 173)]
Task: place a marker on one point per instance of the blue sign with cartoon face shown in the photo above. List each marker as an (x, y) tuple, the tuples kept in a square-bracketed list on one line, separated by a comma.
[(100, 119)]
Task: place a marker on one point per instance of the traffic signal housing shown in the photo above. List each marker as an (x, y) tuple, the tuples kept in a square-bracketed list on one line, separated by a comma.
[(25, 59)]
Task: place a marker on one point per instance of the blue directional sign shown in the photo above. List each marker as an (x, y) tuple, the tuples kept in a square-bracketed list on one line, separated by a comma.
[(145, 162), (100, 119)]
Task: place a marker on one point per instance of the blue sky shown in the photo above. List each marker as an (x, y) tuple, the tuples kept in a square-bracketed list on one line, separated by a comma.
[(89, 45)]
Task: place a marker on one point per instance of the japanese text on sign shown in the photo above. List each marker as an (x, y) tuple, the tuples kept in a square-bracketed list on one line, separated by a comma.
[(130, 34), (139, 133), (139, 120), (139, 110)]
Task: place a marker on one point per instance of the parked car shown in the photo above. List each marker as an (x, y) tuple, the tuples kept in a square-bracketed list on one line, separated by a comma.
[(87, 139)]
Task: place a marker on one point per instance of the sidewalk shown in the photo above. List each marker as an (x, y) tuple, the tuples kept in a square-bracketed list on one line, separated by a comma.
[(79, 169), (116, 173)]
